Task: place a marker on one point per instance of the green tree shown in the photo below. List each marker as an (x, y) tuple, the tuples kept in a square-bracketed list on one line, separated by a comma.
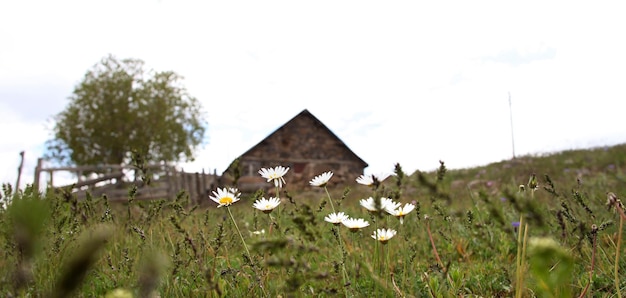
[(119, 109)]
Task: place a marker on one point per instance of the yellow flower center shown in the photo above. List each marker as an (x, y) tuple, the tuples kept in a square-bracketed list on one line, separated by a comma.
[(226, 200), (268, 206)]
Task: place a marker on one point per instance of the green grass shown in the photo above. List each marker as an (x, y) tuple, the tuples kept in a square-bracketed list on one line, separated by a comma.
[(54, 245)]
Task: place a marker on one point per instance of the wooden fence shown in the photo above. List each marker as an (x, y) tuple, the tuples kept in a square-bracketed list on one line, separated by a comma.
[(115, 181)]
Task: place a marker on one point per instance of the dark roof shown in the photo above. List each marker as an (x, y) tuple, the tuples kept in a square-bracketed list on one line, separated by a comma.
[(306, 113)]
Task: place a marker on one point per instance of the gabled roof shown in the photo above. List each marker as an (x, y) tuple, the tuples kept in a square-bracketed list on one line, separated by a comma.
[(306, 113)]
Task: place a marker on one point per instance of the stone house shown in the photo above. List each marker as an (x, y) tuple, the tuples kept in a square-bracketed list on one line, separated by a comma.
[(307, 147)]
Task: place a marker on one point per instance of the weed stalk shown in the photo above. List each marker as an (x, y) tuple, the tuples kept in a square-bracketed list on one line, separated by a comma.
[(521, 254), (613, 201), (594, 237)]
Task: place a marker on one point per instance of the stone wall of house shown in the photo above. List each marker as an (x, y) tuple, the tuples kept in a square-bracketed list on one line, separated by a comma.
[(308, 149)]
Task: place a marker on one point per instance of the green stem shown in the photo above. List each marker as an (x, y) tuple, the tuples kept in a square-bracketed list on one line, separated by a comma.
[(388, 267), (278, 197), (384, 263), (329, 199), (353, 259), (271, 224), (241, 236), (343, 261), (521, 255), (375, 219)]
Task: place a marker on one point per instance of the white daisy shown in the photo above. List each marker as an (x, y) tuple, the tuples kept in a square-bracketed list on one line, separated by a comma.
[(336, 218), (322, 179), (383, 235), (370, 178), (266, 205), (276, 174), (400, 212), (388, 203), (365, 179), (225, 196), (385, 203), (369, 204), (354, 224)]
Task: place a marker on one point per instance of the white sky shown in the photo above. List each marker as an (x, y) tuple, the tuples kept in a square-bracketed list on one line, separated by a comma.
[(412, 82)]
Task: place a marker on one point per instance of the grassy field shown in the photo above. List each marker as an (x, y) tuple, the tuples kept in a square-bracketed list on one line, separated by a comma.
[(479, 232)]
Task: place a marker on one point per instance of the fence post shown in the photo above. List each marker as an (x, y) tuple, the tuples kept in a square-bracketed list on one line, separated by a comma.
[(203, 187), (189, 185), (170, 180), (198, 187), (37, 173)]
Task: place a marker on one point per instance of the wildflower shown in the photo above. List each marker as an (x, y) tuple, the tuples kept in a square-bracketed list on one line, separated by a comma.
[(225, 196), (385, 203), (266, 205), (613, 201), (365, 179), (336, 218), (261, 232), (400, 212), (276, 174), (389, 204), (354, 224), (383, 235), (371, 179), (611, 198), (322, 179), (369, 204)]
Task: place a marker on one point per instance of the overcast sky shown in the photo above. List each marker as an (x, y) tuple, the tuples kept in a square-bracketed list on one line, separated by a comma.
[(409, 82)]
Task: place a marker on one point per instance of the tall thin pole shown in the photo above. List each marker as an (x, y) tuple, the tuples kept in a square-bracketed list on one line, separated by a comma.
[(511, 116), (19, 171)]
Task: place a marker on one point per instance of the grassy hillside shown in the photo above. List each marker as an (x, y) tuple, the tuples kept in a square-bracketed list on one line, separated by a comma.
[(473, 232)]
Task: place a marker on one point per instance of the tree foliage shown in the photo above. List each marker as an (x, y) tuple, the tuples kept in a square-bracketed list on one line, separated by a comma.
[(120, 109)]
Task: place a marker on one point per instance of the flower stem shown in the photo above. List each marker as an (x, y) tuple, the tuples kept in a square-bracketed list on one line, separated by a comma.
[(376, 254), (241, 236), (329, 199), (383, 270), (343, 261), (387, 266), (270, 225), (278, 197)]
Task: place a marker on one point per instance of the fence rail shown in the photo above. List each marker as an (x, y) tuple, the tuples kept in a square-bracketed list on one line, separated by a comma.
[(114, 181)]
